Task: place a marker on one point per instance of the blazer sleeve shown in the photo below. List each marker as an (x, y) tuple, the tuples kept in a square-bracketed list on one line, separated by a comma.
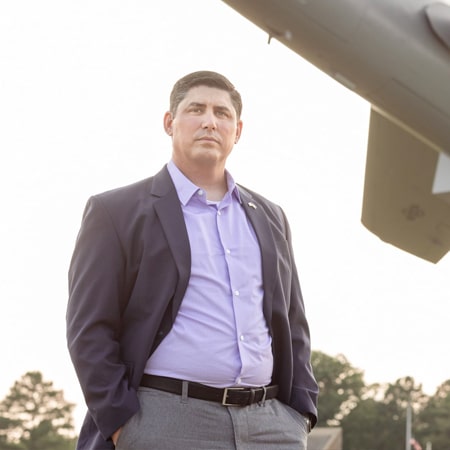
[(96, 299), (304, 392)]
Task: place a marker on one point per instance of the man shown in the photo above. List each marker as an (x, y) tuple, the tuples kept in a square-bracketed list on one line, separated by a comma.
[(185, 321)]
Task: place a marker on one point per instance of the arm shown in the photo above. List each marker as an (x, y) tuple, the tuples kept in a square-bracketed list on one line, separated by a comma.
[(96, 286), (304, 387)]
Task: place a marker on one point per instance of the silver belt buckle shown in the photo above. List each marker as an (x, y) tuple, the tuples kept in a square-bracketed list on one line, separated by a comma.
[(225, 395)]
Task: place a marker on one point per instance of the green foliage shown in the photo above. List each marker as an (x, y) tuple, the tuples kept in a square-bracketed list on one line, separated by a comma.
[(341, 385), (433, 421), (379, 420), (35, 416), (374, 417), (365, 427)]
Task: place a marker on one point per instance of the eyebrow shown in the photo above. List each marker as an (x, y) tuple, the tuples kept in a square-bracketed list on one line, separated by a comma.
[(196, 104), (203, 105)]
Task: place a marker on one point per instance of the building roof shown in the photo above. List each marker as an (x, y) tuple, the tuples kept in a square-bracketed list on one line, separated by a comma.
[(325, 438)]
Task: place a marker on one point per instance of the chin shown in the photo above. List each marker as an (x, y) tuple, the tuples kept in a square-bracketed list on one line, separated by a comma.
[(208, 156)]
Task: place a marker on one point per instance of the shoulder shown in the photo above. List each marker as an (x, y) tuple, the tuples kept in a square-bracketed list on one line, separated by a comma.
[(134, 190), (134, 194), (271, 212), (125, 205), (268, 206)]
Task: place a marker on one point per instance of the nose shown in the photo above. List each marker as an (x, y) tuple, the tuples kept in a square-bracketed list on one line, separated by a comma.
[(209, 121)]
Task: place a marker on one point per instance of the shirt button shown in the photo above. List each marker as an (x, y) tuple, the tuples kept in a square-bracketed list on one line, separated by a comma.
[(241, 337), (199, 192), (219, 213), (227, 251), (236, 293)]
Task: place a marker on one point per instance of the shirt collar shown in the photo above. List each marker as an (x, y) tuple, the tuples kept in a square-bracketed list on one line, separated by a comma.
[(186, 188)]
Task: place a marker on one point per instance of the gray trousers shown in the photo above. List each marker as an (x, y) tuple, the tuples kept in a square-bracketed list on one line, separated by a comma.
[(173, 422)]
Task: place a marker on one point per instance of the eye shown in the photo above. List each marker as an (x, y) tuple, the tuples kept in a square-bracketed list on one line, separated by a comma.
[(195, 108), (223, 114)]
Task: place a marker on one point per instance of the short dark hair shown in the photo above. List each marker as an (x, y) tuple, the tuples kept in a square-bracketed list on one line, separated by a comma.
[(204, 78)]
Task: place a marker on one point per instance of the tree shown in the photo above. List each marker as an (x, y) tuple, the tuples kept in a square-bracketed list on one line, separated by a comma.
[(374, 417), (378, 422), (434, 424), (35, 416), (341, 386), (363, 427), (396, 400)]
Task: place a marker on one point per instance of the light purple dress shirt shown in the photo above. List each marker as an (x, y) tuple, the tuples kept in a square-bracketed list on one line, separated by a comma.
[(220, 336)]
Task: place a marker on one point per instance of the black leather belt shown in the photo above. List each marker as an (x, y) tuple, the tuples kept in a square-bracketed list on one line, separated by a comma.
[(232, 396)]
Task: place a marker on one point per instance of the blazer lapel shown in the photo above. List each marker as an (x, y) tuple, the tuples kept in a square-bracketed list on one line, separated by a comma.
[(170, 214), (261, 225)]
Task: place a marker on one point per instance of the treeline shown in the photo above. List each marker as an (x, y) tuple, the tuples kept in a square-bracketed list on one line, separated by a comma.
[(35, 416), (373, 417)]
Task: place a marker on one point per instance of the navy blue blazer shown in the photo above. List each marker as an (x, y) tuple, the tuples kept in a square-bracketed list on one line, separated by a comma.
[(127, 278)]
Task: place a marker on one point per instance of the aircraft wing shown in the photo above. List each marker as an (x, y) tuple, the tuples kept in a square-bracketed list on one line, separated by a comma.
[(396, 55), (399, 204)]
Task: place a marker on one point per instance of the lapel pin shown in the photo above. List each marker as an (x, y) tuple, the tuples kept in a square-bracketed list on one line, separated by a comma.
[(252, 205)]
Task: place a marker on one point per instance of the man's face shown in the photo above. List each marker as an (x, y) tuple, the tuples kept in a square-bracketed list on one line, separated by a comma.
[(204, 128)]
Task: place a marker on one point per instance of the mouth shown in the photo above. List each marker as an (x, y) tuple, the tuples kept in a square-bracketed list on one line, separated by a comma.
[(208, 139)]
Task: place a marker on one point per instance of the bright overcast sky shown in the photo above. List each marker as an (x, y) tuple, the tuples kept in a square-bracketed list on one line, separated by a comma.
[(83, 89)]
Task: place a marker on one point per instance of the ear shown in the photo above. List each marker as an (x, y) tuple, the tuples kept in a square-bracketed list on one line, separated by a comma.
[(168, 120), (238, 131)]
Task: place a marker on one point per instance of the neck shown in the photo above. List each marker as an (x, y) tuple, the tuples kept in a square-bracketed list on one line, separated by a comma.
[(212, 180), (214, 186)]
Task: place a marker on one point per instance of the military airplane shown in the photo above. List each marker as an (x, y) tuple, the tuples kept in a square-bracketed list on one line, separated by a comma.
[(396, 55)]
